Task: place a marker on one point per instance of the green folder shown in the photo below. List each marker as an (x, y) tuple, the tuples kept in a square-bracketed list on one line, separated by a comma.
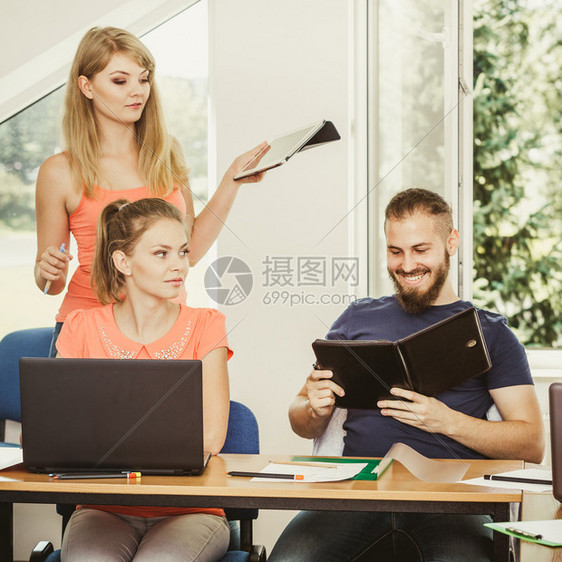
[(366, 474), (547, 533)]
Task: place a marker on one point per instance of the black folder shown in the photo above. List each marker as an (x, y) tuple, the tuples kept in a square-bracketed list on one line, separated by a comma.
[(429, 361)]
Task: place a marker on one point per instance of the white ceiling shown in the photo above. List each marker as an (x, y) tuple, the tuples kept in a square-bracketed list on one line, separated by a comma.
[(38, 40)]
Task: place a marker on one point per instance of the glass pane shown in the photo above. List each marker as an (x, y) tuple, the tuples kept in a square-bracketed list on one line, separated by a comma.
[(180, 49), (517, 163), (26, 140), (410, 113)]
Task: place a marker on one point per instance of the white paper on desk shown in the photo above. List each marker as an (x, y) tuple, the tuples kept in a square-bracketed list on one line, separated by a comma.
[(551, 529), (343, 471), (9, 456), (522, 473)]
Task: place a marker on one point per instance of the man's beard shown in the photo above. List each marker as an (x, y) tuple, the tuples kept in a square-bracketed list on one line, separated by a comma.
[(412, 299)]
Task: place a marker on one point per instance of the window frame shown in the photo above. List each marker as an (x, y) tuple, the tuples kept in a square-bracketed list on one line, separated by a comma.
[(457, 36), (545, 363), (48, 70)]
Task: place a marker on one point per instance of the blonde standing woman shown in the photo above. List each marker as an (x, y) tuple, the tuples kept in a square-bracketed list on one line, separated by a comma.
[(117, 146)]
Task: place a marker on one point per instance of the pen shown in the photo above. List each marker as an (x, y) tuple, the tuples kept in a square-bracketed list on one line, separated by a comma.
[(48, 283), (522, 533), (266, 475), (317, 464), (93, 475), (516, 479)]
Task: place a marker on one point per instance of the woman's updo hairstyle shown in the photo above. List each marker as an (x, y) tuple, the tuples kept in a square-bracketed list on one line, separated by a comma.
[(120, 226)]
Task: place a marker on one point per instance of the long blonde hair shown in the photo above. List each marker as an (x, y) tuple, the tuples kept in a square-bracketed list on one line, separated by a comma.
[(161, 162), (120, 227)]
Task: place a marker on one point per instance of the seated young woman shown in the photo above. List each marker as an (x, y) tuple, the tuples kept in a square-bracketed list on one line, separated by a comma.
[(139, 267)]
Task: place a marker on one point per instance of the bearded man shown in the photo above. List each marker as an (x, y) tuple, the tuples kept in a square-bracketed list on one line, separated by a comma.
[(420, 241)]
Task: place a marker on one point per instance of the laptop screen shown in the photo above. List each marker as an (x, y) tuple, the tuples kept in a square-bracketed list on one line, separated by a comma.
[(555, 403), (112, 414)]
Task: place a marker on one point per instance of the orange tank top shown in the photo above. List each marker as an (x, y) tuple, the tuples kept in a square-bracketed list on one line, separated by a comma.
[(83, 223)]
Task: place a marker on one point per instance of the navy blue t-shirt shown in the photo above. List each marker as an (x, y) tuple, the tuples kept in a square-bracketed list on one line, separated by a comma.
[(371, 434)]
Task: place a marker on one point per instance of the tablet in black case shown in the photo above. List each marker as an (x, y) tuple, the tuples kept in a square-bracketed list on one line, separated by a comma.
[(287, 145), (429, 361)]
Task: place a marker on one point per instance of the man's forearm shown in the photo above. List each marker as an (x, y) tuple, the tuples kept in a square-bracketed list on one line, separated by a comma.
[(519, 436), (304, 421), (512, 439)]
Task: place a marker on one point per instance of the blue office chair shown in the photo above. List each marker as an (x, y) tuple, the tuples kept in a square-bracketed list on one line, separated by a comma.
[(242, 437), (34, 342)]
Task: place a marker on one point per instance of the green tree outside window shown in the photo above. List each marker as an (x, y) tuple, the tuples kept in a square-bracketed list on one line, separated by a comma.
[(518, 164)]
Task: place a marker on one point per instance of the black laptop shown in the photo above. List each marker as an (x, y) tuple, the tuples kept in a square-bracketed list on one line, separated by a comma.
[(555, 406), (88, 415)]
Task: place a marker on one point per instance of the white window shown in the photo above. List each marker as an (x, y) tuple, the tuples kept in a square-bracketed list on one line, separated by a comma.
[(180, 47), (419, 117), (420, 107)]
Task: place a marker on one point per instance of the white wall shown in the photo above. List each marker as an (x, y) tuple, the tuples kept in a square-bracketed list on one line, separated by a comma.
[(277, 66), (292, 71)]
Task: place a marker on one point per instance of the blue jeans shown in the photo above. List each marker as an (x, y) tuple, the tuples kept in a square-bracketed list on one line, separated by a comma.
[(348, 536)]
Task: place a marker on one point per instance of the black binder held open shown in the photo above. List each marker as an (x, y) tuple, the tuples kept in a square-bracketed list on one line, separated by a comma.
[(282, 148), (429, 361)]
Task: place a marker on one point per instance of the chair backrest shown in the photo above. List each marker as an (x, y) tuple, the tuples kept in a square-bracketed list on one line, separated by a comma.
[(33, 342), (243, 432), (242, 437)]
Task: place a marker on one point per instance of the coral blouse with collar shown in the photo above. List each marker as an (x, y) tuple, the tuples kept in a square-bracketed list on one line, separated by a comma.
[(83, 223), (93, 333)]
